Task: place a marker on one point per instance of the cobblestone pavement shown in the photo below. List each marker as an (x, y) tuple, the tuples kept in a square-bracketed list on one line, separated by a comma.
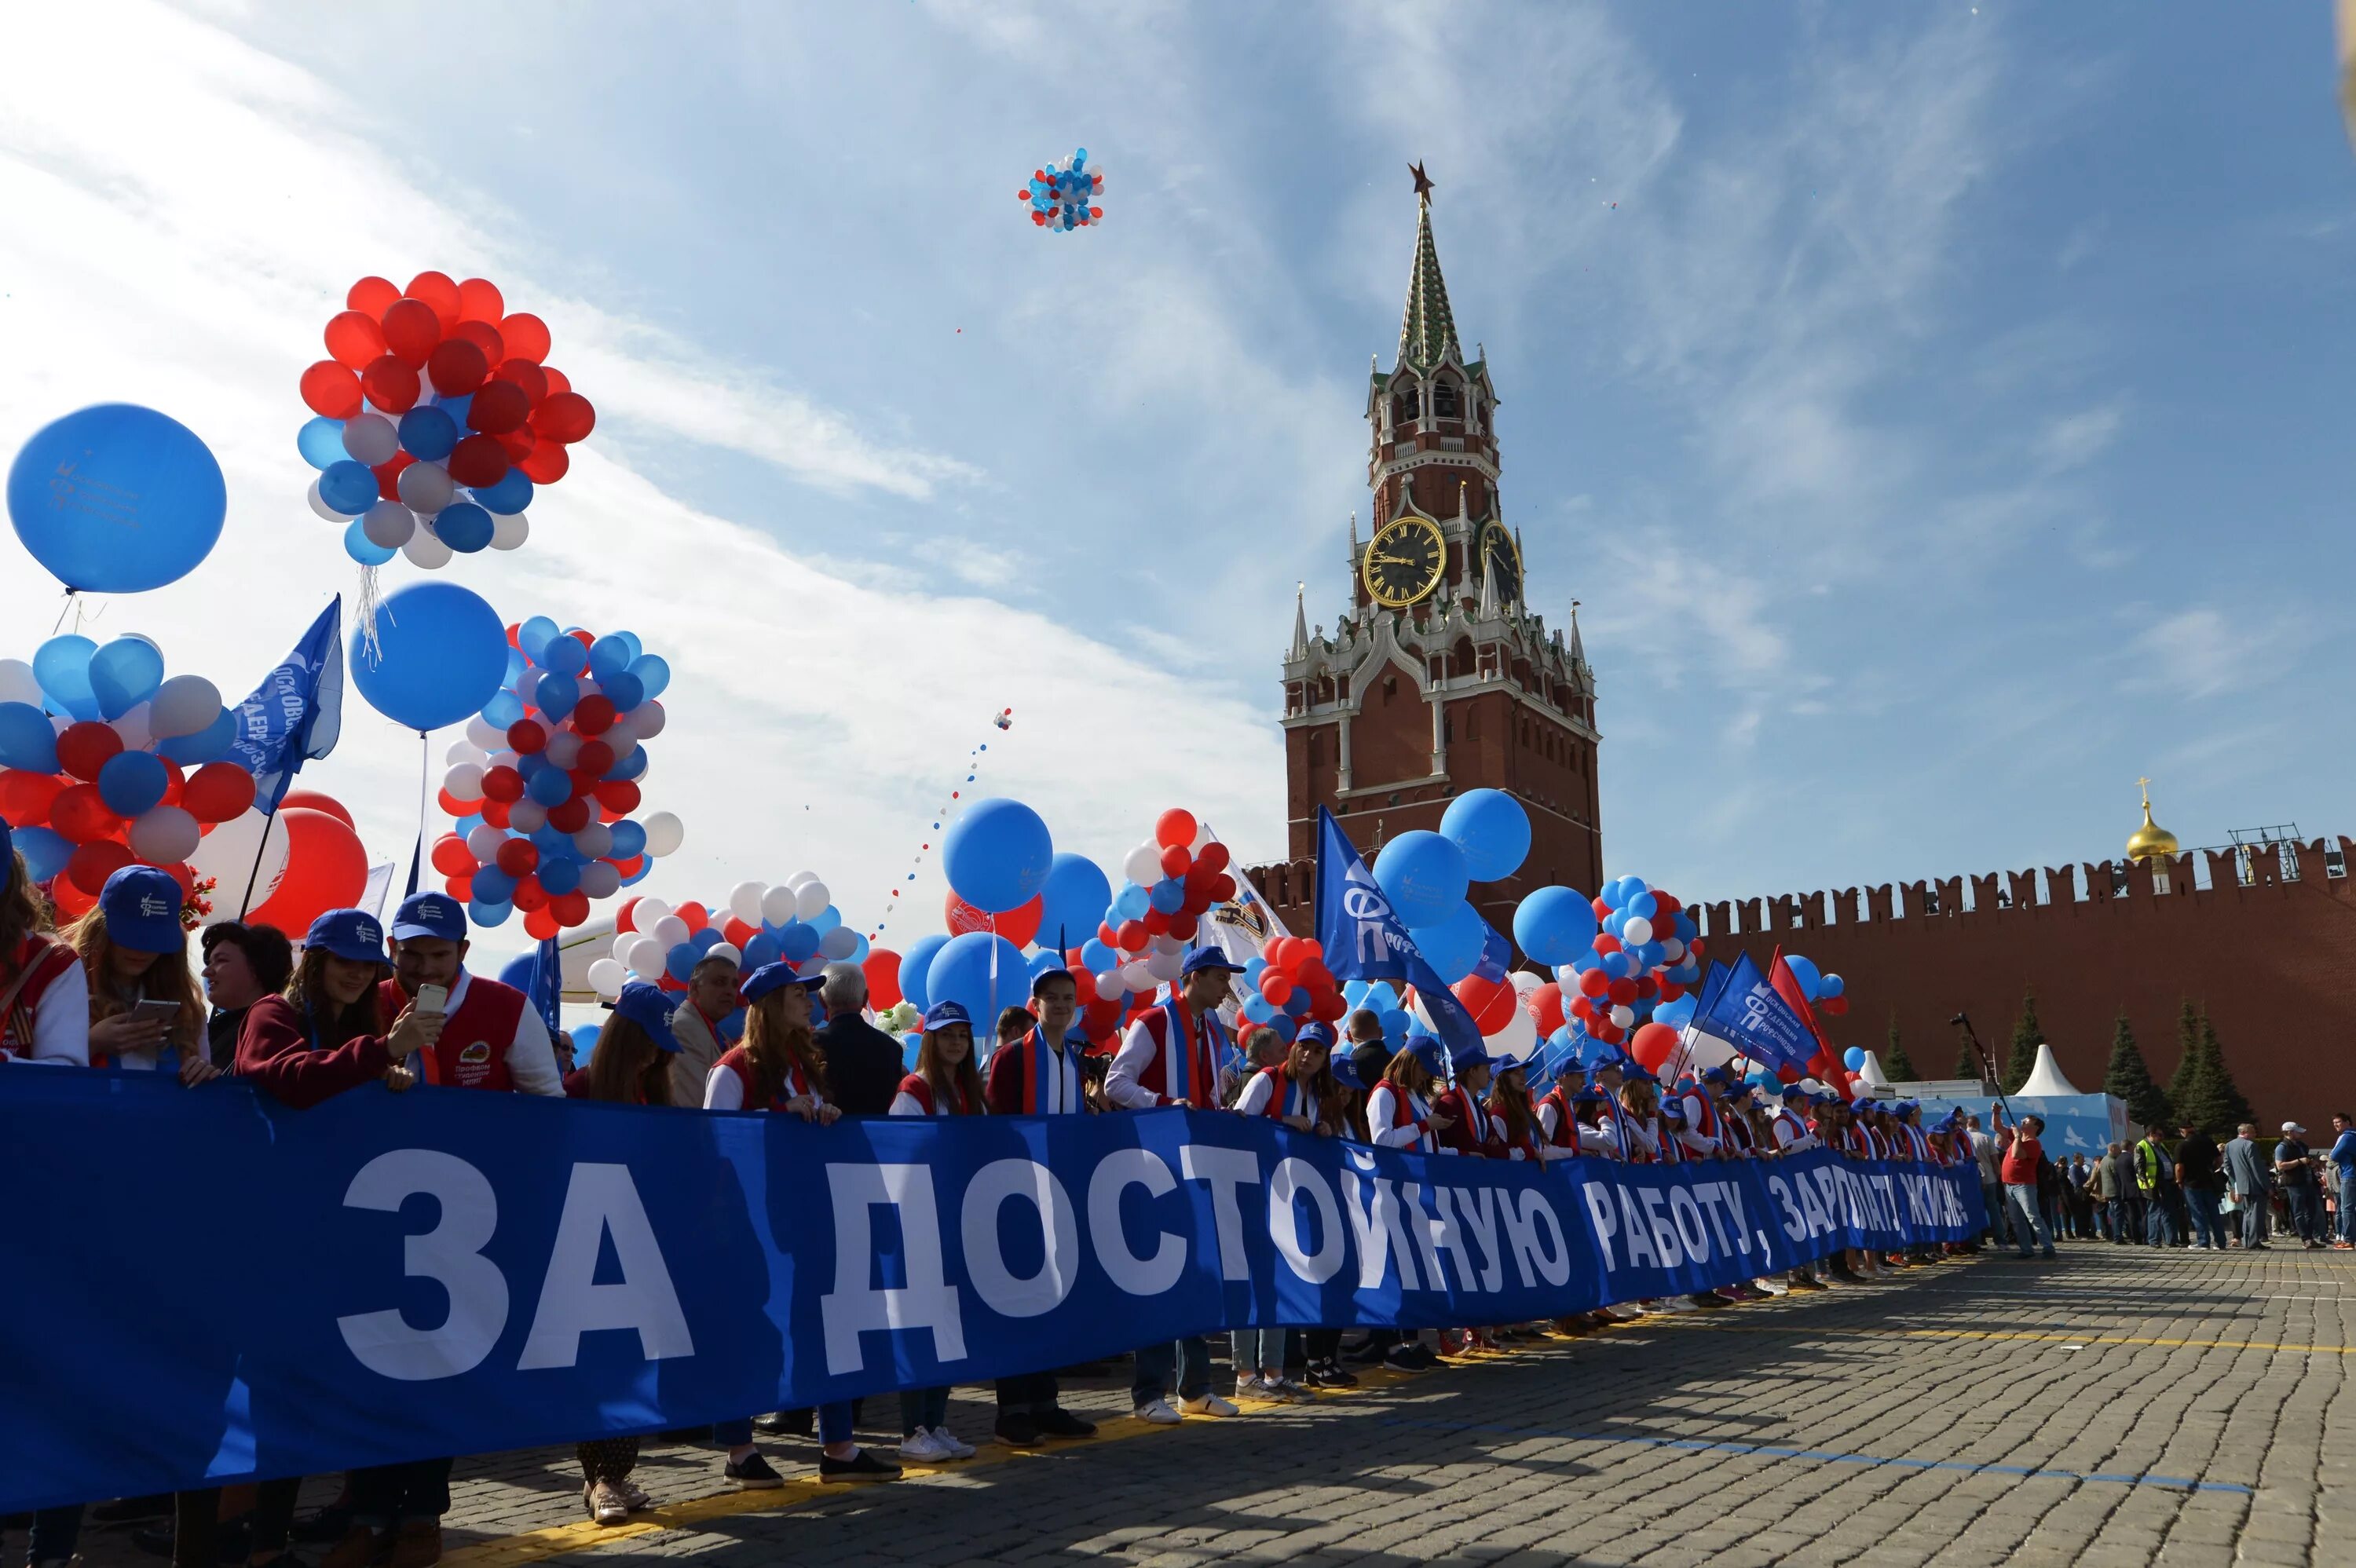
[(2119, 1406)]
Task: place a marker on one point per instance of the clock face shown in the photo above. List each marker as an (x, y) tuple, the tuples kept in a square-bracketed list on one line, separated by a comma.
[(1498, 556), (1404, 562)]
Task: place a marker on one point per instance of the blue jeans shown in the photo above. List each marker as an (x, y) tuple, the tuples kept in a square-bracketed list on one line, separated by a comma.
[(2348, 1203), (833, 1426), (2307, 1211), (925, 1407), (1189, 1357), (2158, 1224), (1256, 1350), (2028, 1219), (2208, 1226), (56, 1532)]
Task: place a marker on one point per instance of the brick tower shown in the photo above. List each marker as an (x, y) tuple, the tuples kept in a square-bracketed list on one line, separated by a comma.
[(1438, 679)]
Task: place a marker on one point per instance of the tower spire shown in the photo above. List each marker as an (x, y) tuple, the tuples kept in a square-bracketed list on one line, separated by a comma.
[(1427, 330), (1299, 622)]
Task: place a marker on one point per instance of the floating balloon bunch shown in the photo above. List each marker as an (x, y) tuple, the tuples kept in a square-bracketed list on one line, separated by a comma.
[(1826, 993), (794, 922), (1004, 720), (1063, 195), (436, 416), (546, 780), (1170, 882), (1625, 960), (1288, 985)]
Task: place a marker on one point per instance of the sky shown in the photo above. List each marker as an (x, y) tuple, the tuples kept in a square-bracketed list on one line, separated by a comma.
[(1938, 410)]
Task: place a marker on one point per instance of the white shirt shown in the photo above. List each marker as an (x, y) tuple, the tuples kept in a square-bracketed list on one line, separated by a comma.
[(1382, 1106), (532, 1055), (1696, 1108), (1792, 1134), (1262, 1089), (61, 1023), (1137, 1051)]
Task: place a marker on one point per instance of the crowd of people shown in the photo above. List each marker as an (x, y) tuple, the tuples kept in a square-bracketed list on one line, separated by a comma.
[(2176, 1188), (346, 1009)]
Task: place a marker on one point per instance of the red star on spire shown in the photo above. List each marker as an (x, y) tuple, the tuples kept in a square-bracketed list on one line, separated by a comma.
[(1422, 180)]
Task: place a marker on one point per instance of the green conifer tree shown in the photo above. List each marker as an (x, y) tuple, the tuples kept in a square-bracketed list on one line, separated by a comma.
[(2231, 1106), (2020, 1056), (2186, 1086), (1894, 1060), (2128, 1079)]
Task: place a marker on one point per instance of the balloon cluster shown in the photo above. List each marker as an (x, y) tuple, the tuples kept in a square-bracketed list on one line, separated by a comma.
[(1624, 963), (1170, 882), (794, 922), (1824, 992), (1288, 985), (1483, 836), (544, 783), (96, 748), (1062, 195), (436, 416)]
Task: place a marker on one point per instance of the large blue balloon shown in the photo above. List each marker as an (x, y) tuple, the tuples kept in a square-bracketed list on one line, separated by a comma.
[(1493, 830), (205, 745), (1554, 925), (117, 499), (998, 855), (45, 849), (1423, 877), (133, 783), (1454, 946), (61, 665), (124, 674), (961, 972), (1073, 899), (28, 740), (443, 654), (913, 966), (1804, 970), (347, 487)]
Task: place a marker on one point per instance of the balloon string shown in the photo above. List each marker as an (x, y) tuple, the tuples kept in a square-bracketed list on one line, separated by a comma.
[(364, 614), (425, 787)]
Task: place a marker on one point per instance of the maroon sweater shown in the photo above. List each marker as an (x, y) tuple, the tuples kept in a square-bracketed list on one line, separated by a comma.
[(273, 1049)]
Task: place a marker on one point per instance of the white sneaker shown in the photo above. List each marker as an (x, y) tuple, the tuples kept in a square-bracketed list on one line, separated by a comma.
[(1625, 1311), (950, 1445), (1206, 1404), (1255, 1387), (1772, 1286), (1159, 1413), (1670, 1304), (921, 1447)]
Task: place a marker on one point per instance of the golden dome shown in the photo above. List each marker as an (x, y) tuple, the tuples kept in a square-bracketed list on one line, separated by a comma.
[(2150, 839)]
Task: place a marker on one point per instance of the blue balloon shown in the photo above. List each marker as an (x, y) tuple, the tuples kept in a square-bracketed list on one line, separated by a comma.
[(910, 1044), (1644, 906), (609, 656), (859, 951), (623, 691), (534, 634), (320, 440), (629, 839), (629, 767), (28, 739), (46, 851), (637, 649), (1131, 902), (653, 672), (1855, 1057), (1831, 986), (761, 949), (550, 786), (560, 876), (998, 855), (458, 408), (463, 526), (1167, 895), (441, 655), (564, 655), (555, 693), (429, 434), (1258, 1009), (61, 665), (1099, 955), (963, 972), (1423, 876), (825, 920), (116, 499), (1492, 828), (1074, 899), (584, 1042), (502, 710), (704, 941), (914, 964), (362, 549), (208, 744), (347, 487), (492, 885), (1615, 965), (1454, 946), (1381, 996), (1804, 970), (133, 783), (1046, 958), (798, 943), (680, 962), (519, 972), (487, 915), (1396, 1022), (511, 494), (1556, 925)]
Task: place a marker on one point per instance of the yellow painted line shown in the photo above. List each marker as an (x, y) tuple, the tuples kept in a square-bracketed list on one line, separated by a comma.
[(2016, 1334)]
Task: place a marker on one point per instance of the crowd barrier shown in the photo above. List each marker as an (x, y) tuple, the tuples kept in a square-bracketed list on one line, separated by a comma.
[(206, 1286)]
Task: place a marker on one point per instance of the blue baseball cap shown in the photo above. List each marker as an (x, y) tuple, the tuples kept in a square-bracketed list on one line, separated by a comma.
[(1590, 1097), (1474, 1055), (1314, 1033), (771, 976), (649, 1007), (429, 914), (1429, 1050), (1722, 1075), (1049, 973), (1671, 1111), (1201, 958), (142, 906), (1345, 1068), (350, 933), (941, 1015)]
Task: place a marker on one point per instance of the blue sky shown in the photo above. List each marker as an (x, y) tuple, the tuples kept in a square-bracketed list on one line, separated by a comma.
[(1943, 430)]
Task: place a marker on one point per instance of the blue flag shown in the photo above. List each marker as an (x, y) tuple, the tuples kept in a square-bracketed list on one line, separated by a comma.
[(1745, 1012), (1365, 941), (539, 975), (296, 713)]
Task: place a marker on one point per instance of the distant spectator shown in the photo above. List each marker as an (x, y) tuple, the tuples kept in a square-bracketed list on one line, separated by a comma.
[(2111, 1202), (2154, 1172), (2343, 1164), (2302, 1190), (2252, 1185), (2197, 1173)]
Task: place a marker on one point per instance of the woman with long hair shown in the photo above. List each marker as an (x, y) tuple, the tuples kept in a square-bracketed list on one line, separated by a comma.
[(1509, 1106), (1298, 1091), (944, 1083), (1344, 1107), (780, 1068), (1399, 1115), (44, 993), (135, 956)]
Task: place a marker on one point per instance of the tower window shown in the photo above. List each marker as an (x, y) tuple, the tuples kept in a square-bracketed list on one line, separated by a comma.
[(1443, 400), (1414, 405), (1447, 728)]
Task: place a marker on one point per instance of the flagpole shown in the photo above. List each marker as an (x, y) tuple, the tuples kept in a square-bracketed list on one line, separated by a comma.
[(254, 876)]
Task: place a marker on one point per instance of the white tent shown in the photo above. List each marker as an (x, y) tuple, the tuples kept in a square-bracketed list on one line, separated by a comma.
[(2045, 1078)]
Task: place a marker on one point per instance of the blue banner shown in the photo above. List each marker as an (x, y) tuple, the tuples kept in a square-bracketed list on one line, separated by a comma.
[(386, 1278), (1363, 940), (295, 715)]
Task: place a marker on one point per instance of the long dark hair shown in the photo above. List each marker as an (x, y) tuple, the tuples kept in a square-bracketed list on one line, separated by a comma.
[(627, 1067), (332, 1026), (1512, 1105), (772, 1046), (23, 910), (956, 1090)]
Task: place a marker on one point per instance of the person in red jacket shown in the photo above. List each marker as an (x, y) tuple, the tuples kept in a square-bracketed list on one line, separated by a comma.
[(326, 1034), (1471, 1129), (944, 1083), (492, 1036)]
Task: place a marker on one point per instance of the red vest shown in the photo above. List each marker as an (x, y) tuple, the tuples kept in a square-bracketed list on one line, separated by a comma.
[(1017, 1070), (1506, 1144), (919, 1088), (473, 1050), (1566, 1126), (1280, 1086), (41, 960), (795, 1086), (1202, 1072)]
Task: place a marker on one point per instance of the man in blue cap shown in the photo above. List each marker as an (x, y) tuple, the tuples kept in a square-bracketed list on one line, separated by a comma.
[(491, 1036)]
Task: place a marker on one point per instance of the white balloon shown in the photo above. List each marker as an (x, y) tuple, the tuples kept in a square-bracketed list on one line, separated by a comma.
[(1166, 945), (1514, 1040), (664, 835), (1637, 932), (607, 979), (426, 550), (563, 748), (1143, 865), (647, 720), (463, 780), (809, 899), (1623, 1017), (227, 856), (798, 877), (1136, 977), (372, 439), (745, 902), (1164, 966), (17, 683), (527, 817), (620, 946), (389, 524), (649, 911), (485, 733), (1109, 983), (165, 836), (182, 706), (670, 931), (510, 532), (482, 842), (461, 749), (425, 487), (724, 950), (777, 905), (1524, 982), (645, 955), (320, 506), (840, 943), (601, 879), (595, 841), (132, 724), (1672, 950)]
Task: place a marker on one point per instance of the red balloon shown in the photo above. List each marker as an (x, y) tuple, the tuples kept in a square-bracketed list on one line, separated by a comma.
[(1275, 987), (518, 858), (354, 339), (388, 475), (618, 795), (631, 866), (453, 859), (495, 812), (696, 917), (331, 391), (1018, 926), (1622, 991), (326, 867), (1491, 1002), (478, 460), (1594, 982), (539, 924), (438, 291), (71, 902), (525, 335), (1132, 935), (569, 817), (459, 888), (564, 416), (483, 335), (313, 800), (570, 909), (24, 798), (528, 894), (523, 373), (1215, 856), (594, 715), (452, 806), (498, 408), (411, 331), (1175, 859), (457, 367), (502, 783), (1652, 1045), (546, 463), (1174, 828), (882, 971), (526, 736), (91, 864), (736, 933), (558, 382), (597, 756), (373, 296), (1223, 888), (391, 383), (1605, 943), (478, 300), (86, 747)]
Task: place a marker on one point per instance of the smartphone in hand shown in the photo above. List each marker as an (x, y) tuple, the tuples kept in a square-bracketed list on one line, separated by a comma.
[(434, 999)]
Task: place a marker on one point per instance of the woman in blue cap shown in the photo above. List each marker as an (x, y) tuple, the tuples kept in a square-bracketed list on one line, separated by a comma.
[(780, 1068), (1399, 1115), (134, 955), (1297, 1091), (1321, 1347), (325, 1035), (944, 1083), (44, 994)]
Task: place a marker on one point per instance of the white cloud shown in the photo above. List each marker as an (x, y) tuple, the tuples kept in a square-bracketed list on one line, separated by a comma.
[(2202, 652), (2075, 440)]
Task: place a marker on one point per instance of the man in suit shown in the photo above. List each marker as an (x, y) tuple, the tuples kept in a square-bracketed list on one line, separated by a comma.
[(863, 1065)]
